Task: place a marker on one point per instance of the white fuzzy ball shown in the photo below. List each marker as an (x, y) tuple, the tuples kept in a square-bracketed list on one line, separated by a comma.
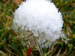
[(40, 18)]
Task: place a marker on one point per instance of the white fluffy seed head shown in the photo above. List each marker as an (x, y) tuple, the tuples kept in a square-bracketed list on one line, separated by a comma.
[(41, 18)]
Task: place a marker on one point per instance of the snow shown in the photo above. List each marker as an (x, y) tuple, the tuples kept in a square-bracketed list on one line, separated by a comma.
[(41, 18)]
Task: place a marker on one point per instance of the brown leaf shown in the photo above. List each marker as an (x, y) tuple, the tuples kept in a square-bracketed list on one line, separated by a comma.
[(71, 4), (4, 0), (18, 1)]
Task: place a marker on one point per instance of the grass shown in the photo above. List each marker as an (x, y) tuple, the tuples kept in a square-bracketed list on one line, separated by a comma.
[(11, 44)]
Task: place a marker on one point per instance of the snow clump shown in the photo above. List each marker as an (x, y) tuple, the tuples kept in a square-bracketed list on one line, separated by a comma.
[(39, 18)]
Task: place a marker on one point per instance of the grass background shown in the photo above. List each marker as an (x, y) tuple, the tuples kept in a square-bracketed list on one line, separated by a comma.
[(11, 45)]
